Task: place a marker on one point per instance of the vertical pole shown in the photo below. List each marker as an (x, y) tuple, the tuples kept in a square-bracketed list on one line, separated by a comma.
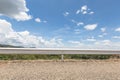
[(62, 57)]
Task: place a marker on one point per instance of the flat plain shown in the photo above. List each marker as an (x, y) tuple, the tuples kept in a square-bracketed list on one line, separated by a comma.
[(58, 70)]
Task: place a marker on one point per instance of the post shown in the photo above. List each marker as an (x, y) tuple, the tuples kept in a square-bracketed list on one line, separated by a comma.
[(62, 57)]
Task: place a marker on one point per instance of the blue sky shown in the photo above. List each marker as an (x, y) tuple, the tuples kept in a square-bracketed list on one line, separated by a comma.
[(85, 24)]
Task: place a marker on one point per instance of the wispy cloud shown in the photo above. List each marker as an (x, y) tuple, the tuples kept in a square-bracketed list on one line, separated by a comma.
[(44, 21), (90, 26), (80, 23), (77, 31), (116, 37), (118, 29), (64, 30), (66, 13), (103, 29), (104, 42), (78, 11), (75, 43), (100, 44), (77, 23), (92, 39), (102, 35), (91, 12)]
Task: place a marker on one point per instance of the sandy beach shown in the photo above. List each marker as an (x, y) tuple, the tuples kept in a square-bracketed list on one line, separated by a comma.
[(57, 70)]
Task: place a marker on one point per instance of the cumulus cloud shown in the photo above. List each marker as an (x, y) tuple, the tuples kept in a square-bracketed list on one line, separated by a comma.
[(84, 10), (38, 20), (24, 38), (118, 29), (90, 26), (15, 9)]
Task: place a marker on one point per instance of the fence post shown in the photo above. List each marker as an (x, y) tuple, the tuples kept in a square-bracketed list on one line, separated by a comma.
[(62, 57)]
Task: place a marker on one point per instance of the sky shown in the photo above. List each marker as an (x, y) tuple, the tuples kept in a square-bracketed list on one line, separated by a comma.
[(83, 24)]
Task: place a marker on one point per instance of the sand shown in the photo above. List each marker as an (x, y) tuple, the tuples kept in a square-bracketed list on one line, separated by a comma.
[(57, 70)]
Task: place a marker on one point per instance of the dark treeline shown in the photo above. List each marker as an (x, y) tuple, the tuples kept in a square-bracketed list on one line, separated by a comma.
[(10, 46)]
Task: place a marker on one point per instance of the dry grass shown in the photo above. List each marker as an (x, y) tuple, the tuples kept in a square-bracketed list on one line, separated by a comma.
[(57, 70)]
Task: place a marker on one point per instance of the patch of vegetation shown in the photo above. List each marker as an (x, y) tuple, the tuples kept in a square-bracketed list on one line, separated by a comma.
[(53, 57), (10, 46), (88, 56)]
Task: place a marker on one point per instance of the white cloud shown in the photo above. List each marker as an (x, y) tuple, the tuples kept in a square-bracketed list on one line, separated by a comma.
[(101, 44), (66, 13), (78, 11), (118, 29), (75, 43), (80, 23), (5, 27), (102, 35), (92, 39), (44, 21), (116, 37), (91, 12), (90, 26), (38, 20), (74, 21), (84, 10), (15, 9), (77, 23), (103, 29), (24, 38), (105, 34)]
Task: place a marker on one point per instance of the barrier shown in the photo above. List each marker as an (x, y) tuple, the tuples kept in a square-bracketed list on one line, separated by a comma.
[(60, 51)]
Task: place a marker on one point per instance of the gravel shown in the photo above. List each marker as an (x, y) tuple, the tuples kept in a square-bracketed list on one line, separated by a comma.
[(58, 70)]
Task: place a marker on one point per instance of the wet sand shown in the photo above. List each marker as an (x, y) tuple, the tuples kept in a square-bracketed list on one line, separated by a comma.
[(57, 70)]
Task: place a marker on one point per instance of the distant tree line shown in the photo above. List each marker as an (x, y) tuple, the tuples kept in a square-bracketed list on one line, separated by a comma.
[(10, 46)]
